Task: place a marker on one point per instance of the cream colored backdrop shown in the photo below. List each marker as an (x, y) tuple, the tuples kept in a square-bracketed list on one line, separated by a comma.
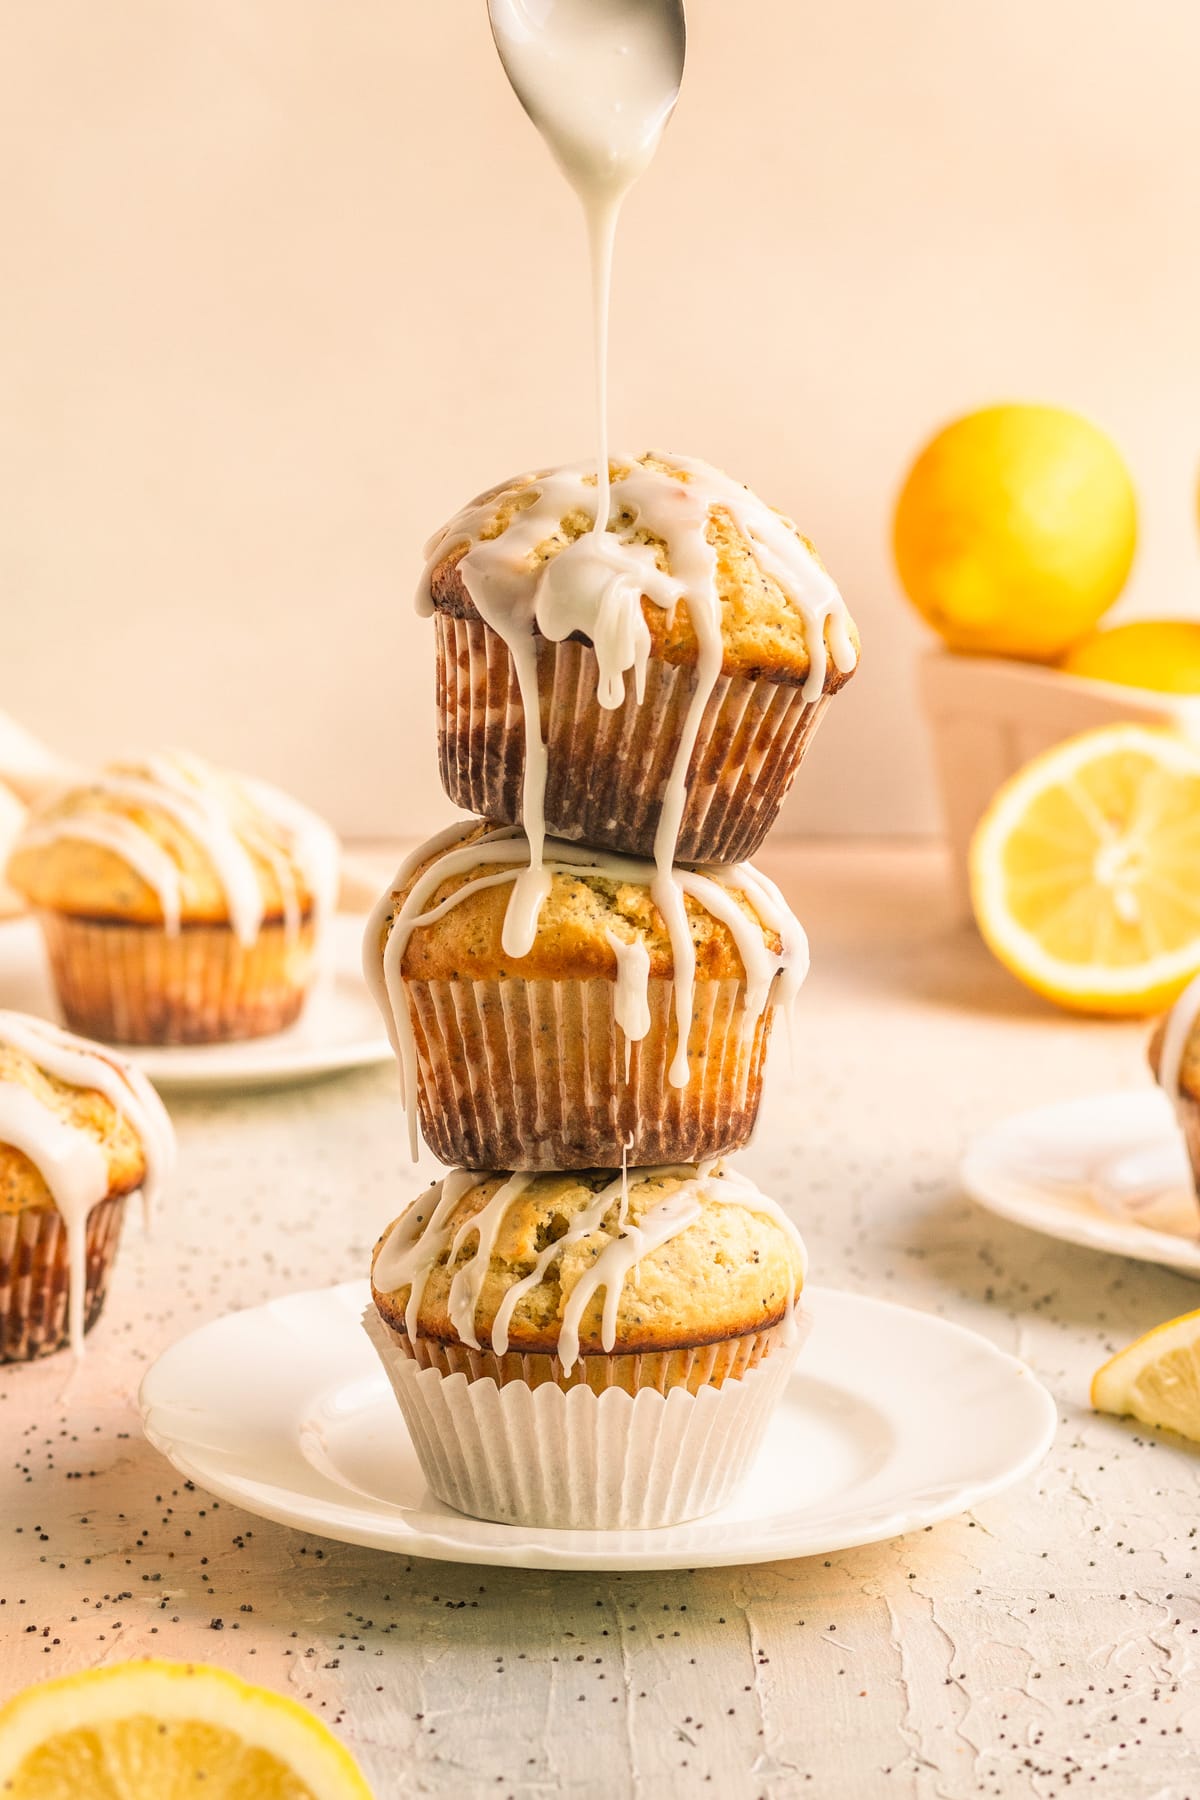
[(284, 281)]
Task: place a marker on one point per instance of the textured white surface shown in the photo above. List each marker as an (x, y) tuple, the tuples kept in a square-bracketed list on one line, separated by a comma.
[(1046, 1644)]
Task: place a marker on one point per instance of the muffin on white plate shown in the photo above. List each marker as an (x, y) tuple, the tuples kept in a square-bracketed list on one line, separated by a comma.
[(180, 903), (586, 1349), (80, 1130)]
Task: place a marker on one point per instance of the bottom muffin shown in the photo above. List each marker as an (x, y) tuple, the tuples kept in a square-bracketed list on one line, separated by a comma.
[(588, 1350)]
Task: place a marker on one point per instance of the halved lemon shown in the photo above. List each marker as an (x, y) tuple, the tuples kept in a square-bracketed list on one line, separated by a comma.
[(1085, 870), (1156, 1379), (159, 1730)]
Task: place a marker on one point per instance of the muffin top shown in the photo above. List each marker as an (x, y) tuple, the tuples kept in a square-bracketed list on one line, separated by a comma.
[(166, 839), (704, 560), (78, 1124), (587, 1263), (450, 899)]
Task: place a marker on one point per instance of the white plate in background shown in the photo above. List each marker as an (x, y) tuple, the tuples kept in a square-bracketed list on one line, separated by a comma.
[(1109, 1172), (892, 1420), (340, 1027)]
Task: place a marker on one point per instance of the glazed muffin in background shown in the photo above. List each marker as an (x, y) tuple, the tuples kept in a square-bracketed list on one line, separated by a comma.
[(1175, 1059), (585, 1350), (180, 903), (569, 1056), (80, 1130), (698, 595)]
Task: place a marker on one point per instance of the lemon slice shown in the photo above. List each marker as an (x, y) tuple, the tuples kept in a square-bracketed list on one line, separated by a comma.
[(1085, 870), (1157, 1378), (159, 1730)]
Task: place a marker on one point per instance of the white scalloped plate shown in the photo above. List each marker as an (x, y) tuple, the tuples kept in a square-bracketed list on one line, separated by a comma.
[(892, 1420), (1108, 1172), (339, 1028)]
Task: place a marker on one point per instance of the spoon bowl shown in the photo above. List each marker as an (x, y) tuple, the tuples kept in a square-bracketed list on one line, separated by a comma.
[(599, 78)]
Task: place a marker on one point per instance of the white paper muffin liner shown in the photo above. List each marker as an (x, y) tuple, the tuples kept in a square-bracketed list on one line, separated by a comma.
[(577, 1460), (608, 770), (516, 1074)]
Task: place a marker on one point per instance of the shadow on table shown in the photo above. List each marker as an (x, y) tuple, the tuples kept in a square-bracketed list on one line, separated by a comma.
[(1023, 1273)]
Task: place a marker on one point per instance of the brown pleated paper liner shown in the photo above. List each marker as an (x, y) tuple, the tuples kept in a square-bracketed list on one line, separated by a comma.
[(607, 770), (691, 1366), (519, 1074), (136, 984), (35, 1277)]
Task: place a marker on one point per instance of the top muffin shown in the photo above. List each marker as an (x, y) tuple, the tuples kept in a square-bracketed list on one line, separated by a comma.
[(650, 688), (762, 597)]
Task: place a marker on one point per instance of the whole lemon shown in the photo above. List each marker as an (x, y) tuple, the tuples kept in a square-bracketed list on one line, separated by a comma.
[(1015, 530), (1163, 654)]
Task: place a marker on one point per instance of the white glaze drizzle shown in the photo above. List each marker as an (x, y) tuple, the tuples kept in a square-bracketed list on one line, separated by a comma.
[(1181, 1022), (187, 790), (631, 1002), (506, 849), (599, 83), (425, 1244), (70, 1161)]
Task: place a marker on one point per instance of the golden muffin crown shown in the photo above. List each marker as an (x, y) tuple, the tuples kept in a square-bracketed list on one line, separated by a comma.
[(679, 1257), (594, 898), (53, 1083), (167, 839), (769, 589)]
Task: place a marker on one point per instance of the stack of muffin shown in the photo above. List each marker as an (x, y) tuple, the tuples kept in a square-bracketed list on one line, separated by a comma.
[(587, 1321)]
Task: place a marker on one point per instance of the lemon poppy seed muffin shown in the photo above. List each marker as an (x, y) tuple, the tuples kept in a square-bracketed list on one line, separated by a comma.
[(723, 1283), (672, 668), (180, 903), (80, 1130), (585, 1348), (615, 1032)]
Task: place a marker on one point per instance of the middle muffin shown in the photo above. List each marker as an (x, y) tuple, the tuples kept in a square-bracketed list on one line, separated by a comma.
[(618, 1032)]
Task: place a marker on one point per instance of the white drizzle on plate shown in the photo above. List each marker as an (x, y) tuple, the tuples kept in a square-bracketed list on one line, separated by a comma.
[(421, 1239), (192, 794), (771, 977), (70, 1160)]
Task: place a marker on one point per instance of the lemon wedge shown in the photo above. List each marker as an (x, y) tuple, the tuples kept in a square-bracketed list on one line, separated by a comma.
[(1085, 870), (158, 1730), (1156, 1379)]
